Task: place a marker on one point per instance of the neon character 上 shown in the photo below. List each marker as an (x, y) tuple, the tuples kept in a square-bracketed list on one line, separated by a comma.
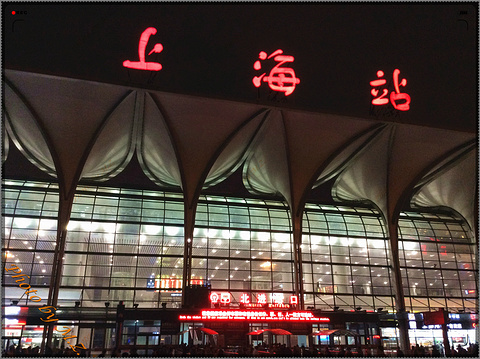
[(142, 46), (280, 78)]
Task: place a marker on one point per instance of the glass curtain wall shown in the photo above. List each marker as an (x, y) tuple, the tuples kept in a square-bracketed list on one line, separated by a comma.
[(438, 262), (122, 245), (29, 212), (127, 245), (346, 259), (244, 246)]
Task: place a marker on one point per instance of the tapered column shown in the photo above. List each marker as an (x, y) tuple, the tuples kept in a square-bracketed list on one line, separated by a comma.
[(189, 226), (297, 259), (64, 211), (399, 296)]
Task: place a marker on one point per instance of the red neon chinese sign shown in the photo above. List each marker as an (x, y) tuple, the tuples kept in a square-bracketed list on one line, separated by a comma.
[(394, 96), (262, 299), (245, 299), (254, 315), (142, 46), (277, 300), (280, 79)]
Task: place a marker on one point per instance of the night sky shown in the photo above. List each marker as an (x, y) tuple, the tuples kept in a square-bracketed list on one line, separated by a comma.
[(209, 50)]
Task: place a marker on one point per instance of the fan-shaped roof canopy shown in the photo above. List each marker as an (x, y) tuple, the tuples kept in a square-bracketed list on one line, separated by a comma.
[(80, 130)]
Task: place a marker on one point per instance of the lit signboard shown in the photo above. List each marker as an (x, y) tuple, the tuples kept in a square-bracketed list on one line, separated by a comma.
[(171, 284), (281, 79), (255, 316), (382, 99), (142, 47), (224, 298)]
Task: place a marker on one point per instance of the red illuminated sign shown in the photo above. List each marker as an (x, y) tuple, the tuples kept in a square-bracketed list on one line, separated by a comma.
[(280, 79), (262, 299), (225, 298), (245, 299), (394, 96), (254, 315), (278, 306), (173, 284), (214, 297), (443, 250), (142, 46), (253, 305)]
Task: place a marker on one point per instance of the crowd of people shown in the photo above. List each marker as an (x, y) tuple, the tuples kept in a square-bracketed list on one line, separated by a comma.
[(273, 350)]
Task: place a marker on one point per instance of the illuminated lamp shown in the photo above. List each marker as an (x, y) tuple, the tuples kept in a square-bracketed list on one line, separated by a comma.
[(172, 231)]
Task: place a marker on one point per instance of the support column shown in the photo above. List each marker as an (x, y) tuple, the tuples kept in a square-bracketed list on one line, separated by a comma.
[(398, 287), (64, 211), (297, 259), (189, 227)]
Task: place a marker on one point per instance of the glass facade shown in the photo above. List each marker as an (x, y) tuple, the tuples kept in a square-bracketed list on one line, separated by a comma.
[(127, 245), (346, 258), (438, 262)]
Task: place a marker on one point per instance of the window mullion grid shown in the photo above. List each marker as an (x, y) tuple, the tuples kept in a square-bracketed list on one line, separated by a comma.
[(270, 247), (7, 247), (229, 250), (418, 234), (368, 257), (290, 231), (473, 271), (456, 268), (389, 264), (305, 213), (14, 215), (88, 249), (335, 299), (34, 251), (161, 254), (250, 247), (405, 278), (47, 192), (114, 246), (135, 280), (442, 270)]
